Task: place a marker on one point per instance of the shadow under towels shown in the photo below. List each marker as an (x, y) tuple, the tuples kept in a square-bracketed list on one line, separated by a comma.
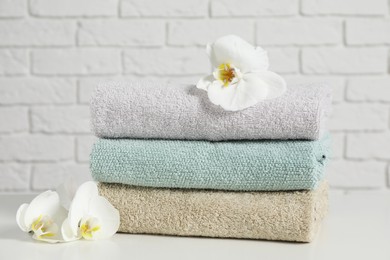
[(235, 165), (147, 109), (290, 216)]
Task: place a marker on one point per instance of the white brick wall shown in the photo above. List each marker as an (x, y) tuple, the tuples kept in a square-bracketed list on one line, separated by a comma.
[(53, 53), (124, 32), (13, 62), (199, 32), (166, 8), (299, 31), (34, 32), (345, 7), (253, 8), (73, 8), (75, 62), (341, 60)]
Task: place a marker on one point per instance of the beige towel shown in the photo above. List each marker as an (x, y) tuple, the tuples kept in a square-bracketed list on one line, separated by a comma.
[(289, 215)]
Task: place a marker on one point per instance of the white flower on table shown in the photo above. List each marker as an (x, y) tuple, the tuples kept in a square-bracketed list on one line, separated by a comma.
[(43, 216), (241, 77), (90, 216)]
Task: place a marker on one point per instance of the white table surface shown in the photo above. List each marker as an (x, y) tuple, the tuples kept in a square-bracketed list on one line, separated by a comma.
[(357, 227)]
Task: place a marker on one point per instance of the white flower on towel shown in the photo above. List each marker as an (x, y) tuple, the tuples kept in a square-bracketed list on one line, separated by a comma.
[(90, 216), (241, 77), (43, 216)]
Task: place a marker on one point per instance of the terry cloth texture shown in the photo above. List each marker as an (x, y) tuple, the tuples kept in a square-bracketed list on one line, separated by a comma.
[(290, 216), (145, 109), (235, 165)]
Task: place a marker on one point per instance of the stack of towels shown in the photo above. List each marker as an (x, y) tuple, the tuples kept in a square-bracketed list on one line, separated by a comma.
[(173, 163)]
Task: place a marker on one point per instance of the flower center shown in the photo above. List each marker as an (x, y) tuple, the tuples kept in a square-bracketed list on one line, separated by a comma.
[(226, 73), (44, 227), (88, 227)]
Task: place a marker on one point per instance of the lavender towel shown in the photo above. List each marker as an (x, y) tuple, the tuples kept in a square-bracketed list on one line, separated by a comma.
[(145, 109)]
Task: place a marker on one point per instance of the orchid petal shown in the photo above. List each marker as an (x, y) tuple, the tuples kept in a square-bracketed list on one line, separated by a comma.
[(20, 217), (241, 78), (219, 94), (65, 195), (47, 203), (80, 204), (52, 241), (276, 84), (248, 91), (48, 240), (205, 82), (67, 232), (60, 215), (108, 216), (210, 53), (67, 190), (46, 228), (234, 50)]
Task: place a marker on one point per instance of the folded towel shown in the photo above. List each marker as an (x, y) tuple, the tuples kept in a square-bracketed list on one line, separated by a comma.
[(291, 216), (235, 165), (172, 111)]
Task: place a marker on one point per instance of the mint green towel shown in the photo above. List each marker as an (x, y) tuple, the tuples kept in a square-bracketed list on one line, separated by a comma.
[(237, 165)]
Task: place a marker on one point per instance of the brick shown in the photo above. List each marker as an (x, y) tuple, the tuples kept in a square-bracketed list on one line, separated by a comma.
[(345, 61), (388, 176), (13, 8), (85, 89), (49, 175), (337, 140), (356, 174), (14, 119), (283, 60), (345, 7), (200, 32), (84, 147), (37, 91), (87, 85), (14, 177), (368, 146), (183, 61), (166, 8), (336, 83), (347, 117), (13, 62), (28, 148), (73, 8), (368, 31), (254, 7), (371, 89), (64, 119), (37, 33), (299, 31), (76, 62), (122, 32)]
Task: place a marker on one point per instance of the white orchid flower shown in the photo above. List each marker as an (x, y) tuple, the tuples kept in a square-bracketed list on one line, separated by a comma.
[(90, 216), (241, 77), (67, 190), (43, 216)]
